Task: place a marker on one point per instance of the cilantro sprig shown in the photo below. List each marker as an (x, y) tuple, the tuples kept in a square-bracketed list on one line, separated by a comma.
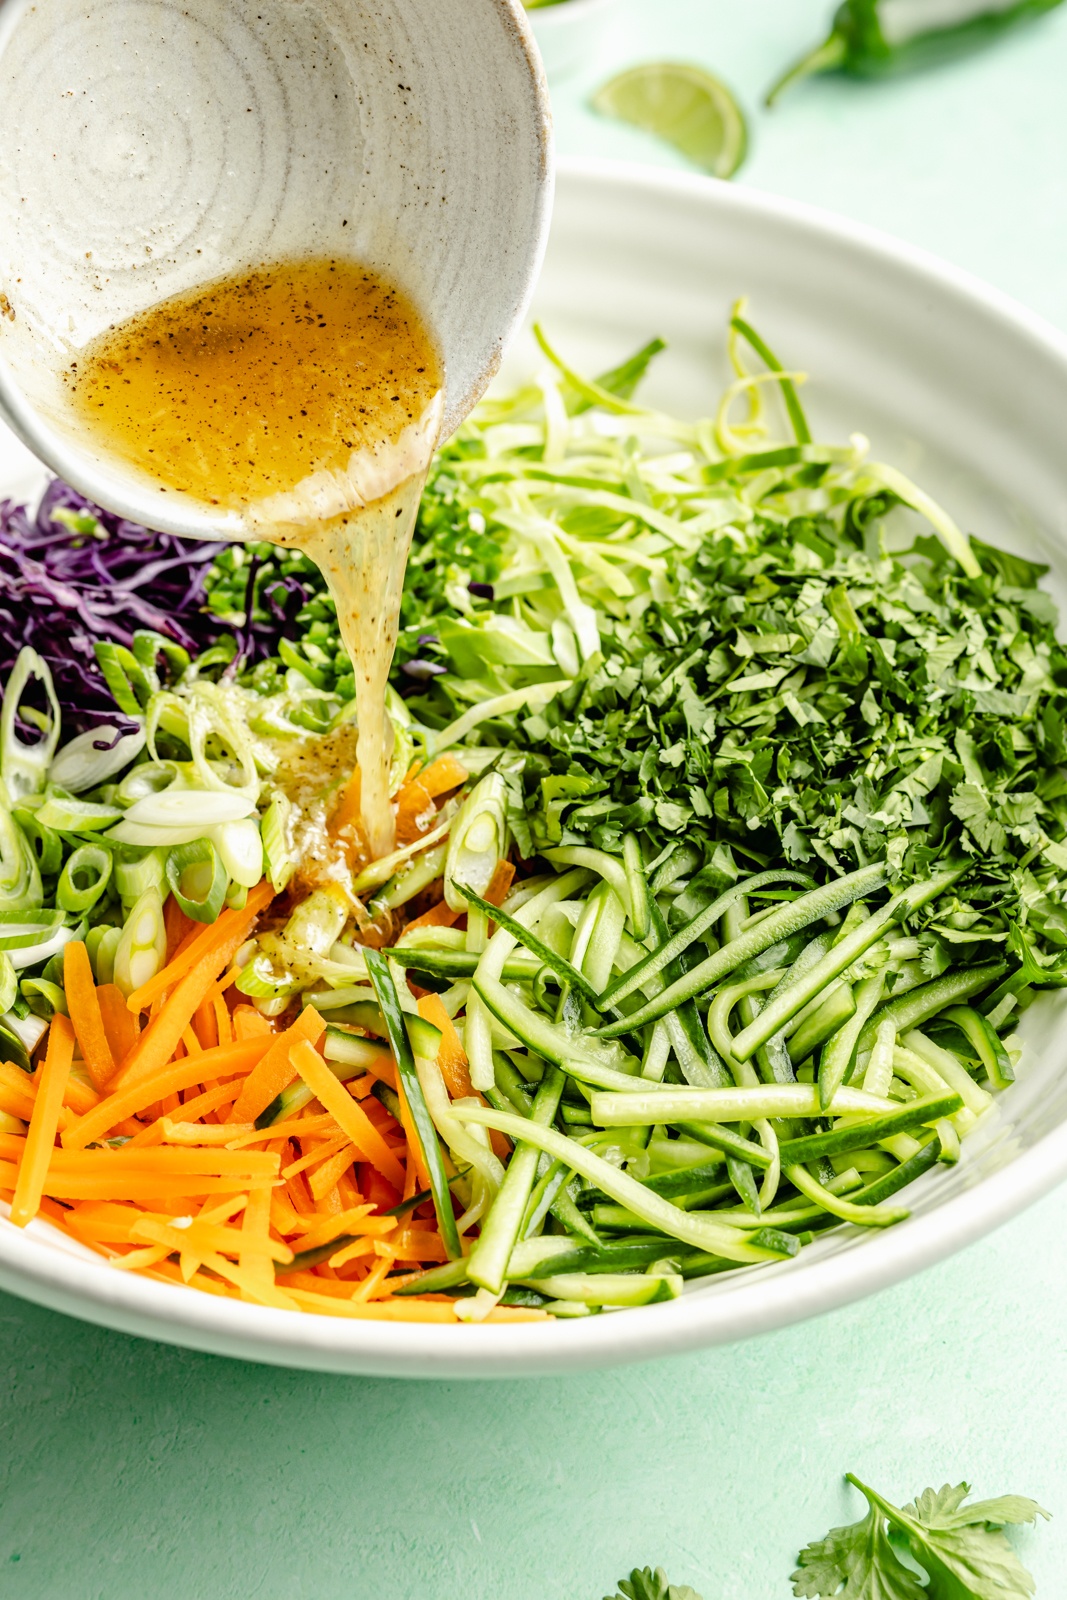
[(962, 1550)]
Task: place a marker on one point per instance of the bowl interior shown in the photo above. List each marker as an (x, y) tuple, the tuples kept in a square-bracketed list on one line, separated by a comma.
[(203, 139), (950, 382)]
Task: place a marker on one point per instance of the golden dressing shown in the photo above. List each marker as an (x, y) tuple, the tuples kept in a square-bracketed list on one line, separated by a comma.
[(306, 397)]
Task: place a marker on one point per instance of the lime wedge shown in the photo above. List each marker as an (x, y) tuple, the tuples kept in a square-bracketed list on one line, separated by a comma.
[(683, 105)]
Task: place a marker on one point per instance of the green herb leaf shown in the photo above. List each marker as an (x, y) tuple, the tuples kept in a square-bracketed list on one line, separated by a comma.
[(644, 1584)]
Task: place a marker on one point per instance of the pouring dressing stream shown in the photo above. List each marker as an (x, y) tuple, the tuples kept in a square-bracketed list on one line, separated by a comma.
[(305, 397)]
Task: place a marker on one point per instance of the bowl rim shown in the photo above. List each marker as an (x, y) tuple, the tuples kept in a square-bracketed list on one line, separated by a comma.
[(757, 1300)]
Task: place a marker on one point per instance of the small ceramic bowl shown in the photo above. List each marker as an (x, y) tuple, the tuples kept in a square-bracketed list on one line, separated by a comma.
[(570, 35), (150, 146)]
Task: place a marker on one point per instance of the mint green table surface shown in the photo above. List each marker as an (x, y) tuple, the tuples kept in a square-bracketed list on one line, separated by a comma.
[(131, 1471)]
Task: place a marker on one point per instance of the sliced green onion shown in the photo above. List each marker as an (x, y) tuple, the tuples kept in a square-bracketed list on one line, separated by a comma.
[(45, 998), (84, 878), (478, 839), (240, 849), (142, 946), (274, 828), (178, 808), (9, 983), (102, 955), (46, 844), (414, 876), (197, 879), (92, 757), (68, 815), (20, 876), (24, 767), (133, 877)]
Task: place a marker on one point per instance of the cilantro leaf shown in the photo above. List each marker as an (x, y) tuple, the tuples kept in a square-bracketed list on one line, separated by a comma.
[(963, 1548), (644, 1584), (855, 1563)]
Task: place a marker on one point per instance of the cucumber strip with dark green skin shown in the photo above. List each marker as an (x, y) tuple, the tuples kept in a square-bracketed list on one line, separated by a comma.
[(917, 1006), (687, 1180), (360, 1014), (422, 1122), (892, 1182), (776, 1013), (983, 1036), (436, 1280), (549, 1040), (488, 1260), (743, 1180), (914, 1114), (628, 1255), (546, 956), (388, 1098), (458, 963), (831, 1016), (635, 873), (718, 1137), (779, 926)]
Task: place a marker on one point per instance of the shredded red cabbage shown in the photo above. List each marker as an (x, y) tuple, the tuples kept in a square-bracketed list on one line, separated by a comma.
[(63, 588)]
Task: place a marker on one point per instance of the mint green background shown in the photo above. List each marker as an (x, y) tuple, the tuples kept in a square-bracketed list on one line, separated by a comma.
[(130, 1471)]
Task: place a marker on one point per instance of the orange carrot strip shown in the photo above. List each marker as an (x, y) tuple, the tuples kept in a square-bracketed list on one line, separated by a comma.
[(322, 1150), (415, 812), (222, 1095), (451, 1057), (368, 1288), (120, 1025), (276, 1072), (346, 1112), (128, 1099), (79, 1097), (439, 916), (40, 1141), (415, 1171), (347, 812), (204, 1025), (84, 1008), (223, 1021), (445, 773), (324, 1178), (178, 928), (204, 943), (296, 1127), (137, 1186), (249, 1024), (16, 1097), (249, 1282), (246, 1165), (254, 1256), (407, 1310), (352, 1252), (200, 1133), (203, 1237), (499, 883)]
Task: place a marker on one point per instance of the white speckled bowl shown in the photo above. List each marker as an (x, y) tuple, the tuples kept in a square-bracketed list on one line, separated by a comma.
[(571, 35), (147, 146), (951, 380)]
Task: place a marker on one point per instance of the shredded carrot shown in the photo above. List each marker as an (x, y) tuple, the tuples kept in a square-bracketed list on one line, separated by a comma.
[(275, 1071), (120, 1024), (171, 1078), (451, 1058), (157, 1043), (415, 812), (40, 1140), (204, 942), (86, 1019), (248, 1024), (439, 916), (346, 1112), (194, 1133), (347, 813), (499, 883), (445, 773)]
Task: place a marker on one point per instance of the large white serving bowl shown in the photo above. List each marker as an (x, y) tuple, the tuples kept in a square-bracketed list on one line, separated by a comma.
[(951, 380)]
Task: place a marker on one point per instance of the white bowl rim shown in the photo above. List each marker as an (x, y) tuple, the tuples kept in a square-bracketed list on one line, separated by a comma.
[(758, 1301)]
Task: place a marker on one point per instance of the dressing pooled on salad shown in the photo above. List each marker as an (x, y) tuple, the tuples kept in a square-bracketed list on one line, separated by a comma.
[(307, 397)]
